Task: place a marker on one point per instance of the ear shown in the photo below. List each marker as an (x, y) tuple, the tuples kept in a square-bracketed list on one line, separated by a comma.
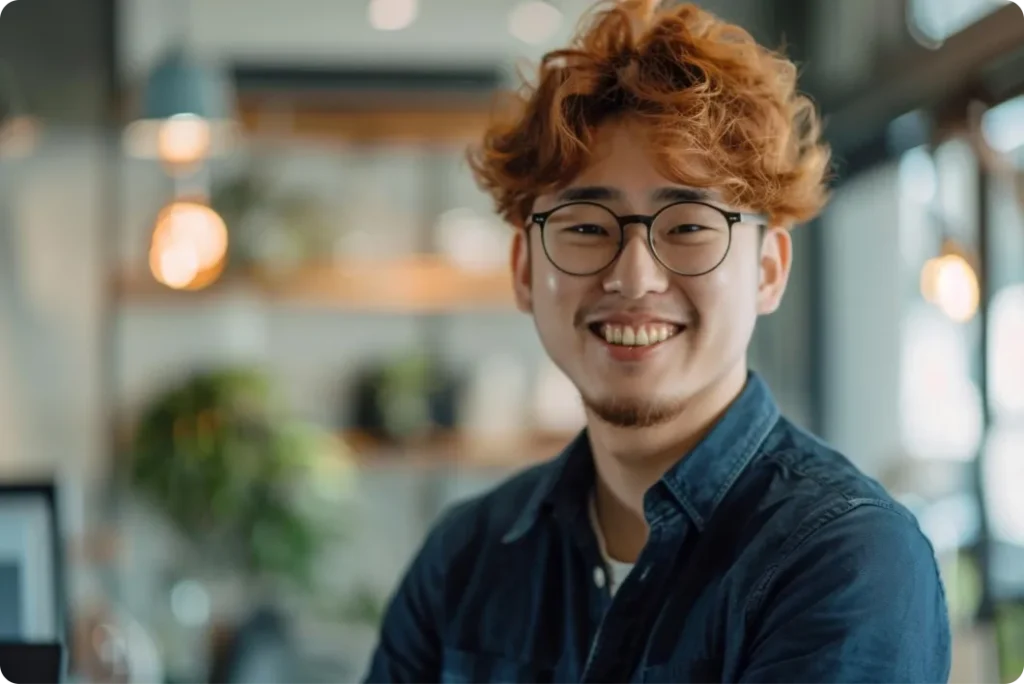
[(521, 276), (776, 260)]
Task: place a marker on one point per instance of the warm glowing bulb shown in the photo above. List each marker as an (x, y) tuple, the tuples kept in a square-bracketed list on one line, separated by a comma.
[(534, 21), (392, 15), (201, 227), (189, 246), (956, 288), (184, 139), (177, 265), (929, 279)]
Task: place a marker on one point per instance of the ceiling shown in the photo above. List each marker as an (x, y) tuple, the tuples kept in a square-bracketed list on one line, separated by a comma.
[(57, 70), (335, 33)]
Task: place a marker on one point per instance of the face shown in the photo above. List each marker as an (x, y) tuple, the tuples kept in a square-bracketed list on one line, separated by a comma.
[(639, 379)]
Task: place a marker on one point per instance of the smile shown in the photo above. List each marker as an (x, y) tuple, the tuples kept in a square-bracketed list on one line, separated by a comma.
[(646, 335)]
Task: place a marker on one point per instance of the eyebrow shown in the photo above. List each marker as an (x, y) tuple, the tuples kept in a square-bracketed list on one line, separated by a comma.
[(666, 194), (675, 194), (588, 194)]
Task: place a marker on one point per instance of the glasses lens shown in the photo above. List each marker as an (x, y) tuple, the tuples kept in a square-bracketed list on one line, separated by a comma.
[(690, 239), (582, 238)]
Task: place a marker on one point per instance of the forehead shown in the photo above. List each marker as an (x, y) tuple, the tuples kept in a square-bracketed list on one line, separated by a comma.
[(623, 161)]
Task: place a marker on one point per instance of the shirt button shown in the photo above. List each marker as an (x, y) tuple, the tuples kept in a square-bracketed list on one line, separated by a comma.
[(599, 578)]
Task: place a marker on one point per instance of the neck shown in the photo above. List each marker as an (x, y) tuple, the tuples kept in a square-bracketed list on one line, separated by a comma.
[(629, 461)]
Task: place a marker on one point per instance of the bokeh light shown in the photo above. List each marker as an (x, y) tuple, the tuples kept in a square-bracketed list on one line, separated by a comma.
[(1006, 373), (534, 21), (189, 246), (392, 15), (184, 139), (950, 283)]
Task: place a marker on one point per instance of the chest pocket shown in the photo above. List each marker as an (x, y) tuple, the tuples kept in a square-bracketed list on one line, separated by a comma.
[(464, 667)]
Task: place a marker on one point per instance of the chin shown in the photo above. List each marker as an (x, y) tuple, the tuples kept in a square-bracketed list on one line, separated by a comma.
[(634, 409)]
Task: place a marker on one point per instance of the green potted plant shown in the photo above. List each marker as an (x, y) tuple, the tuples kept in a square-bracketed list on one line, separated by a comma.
[(252, 489)]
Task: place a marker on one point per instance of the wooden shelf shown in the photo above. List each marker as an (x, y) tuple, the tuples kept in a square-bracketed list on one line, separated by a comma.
[(457, 452), (419, 284), (424, 126)]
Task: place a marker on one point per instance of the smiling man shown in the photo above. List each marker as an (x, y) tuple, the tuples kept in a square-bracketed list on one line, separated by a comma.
[(652, 174)]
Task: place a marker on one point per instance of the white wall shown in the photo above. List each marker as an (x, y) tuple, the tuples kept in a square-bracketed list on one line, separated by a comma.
[(51, 288), (863, 317)]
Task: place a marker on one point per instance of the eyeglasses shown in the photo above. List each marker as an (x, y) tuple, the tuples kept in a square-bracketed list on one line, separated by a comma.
[(688, 238)]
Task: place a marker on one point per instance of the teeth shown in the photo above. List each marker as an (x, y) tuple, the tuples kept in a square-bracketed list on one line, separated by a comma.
[(639, 336)]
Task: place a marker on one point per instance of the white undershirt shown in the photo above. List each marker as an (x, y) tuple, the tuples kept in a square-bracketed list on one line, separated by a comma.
[(617, 570)]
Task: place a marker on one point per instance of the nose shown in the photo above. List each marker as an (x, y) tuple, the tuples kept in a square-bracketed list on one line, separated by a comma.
[(636, 272)]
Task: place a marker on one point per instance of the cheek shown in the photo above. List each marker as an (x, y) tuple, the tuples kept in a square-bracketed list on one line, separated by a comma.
[(555, 299), (551, 284), (726, 293)]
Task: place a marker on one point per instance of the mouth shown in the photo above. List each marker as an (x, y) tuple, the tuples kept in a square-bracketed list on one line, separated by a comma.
[(641, 336)]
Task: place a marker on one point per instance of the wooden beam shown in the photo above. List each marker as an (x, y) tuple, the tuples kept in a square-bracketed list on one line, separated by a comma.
[(376, 125), (924, 78)]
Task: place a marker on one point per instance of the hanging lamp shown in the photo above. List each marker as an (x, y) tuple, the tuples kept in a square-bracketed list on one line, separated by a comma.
[(186, 113), (19, 131)]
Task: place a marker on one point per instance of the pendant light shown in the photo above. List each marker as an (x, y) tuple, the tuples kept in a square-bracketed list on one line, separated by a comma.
[(19, 132), (186, 112)]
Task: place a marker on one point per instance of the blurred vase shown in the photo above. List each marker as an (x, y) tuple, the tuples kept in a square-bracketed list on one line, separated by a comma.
[(112, 646), (406, 399)]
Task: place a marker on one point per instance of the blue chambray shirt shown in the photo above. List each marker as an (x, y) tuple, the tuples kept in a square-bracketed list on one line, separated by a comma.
[(771, 558)]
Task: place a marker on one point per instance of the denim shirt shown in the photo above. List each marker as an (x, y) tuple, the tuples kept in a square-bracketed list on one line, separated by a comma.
[(770, 558)]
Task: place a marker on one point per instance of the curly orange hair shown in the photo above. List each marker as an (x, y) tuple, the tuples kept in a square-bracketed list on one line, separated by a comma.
[(696, 83)]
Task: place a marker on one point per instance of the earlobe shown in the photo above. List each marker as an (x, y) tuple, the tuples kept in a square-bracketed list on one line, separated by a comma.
[(521, 283)]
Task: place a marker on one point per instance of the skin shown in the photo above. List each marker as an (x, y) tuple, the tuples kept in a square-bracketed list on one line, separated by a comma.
[(643, 416)]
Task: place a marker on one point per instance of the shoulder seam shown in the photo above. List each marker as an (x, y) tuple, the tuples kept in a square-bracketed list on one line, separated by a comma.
[(779, 456), (805, 532)]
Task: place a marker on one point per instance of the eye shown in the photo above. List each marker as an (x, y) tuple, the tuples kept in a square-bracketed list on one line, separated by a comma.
[(686, 228), (586, 229)]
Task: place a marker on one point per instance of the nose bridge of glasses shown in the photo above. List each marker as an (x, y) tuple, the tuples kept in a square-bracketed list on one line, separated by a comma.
[(636, 249), (637, 228), (641, 220)]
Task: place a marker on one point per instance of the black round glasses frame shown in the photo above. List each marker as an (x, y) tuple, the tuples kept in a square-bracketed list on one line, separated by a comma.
[(647, 220)]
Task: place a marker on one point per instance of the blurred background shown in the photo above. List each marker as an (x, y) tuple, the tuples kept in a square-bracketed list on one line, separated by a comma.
[(256, 328)]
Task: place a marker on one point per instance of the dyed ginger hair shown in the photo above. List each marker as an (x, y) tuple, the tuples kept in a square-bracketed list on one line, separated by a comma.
[(721, 111)]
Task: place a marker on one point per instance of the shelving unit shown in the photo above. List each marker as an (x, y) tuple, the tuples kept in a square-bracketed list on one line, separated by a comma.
[(425, 285), (419, 284)]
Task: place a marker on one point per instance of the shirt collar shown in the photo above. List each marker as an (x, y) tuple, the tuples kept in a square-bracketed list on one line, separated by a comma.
[(561, 483), (698, 482)]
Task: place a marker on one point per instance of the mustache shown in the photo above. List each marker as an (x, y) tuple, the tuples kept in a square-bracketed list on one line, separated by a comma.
[(583, 316)]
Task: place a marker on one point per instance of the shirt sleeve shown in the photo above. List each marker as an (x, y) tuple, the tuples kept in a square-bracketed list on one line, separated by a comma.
[(409, 647), (858, 600)]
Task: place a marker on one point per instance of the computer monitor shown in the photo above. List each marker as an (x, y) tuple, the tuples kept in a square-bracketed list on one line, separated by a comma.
[(31, 570)]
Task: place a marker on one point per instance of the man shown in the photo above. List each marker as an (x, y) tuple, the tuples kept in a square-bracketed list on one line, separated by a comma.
[(690, 533)]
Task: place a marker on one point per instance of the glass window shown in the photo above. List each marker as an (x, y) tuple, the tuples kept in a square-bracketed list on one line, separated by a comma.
[(933, 21)]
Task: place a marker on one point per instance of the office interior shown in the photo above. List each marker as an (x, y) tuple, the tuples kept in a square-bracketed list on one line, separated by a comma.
[(256, 326)]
